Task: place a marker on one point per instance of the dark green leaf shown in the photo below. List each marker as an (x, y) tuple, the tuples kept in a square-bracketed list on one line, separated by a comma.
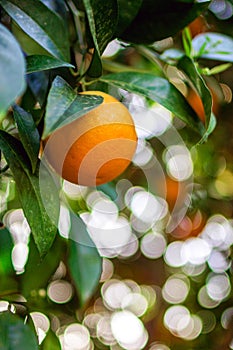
[(160, 19), (187, 65), (84, 261), (28, 133), (95, 69), (51, 342), (12, 68), (6, 246), (213, 46), (44, 268), (127, 10), (65, 106), (14, 334), (157, 89), (41, 24), (102, 18), (33, 192), (36, 63)]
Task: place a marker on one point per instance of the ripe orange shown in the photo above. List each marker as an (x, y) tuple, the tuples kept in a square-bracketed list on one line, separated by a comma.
[(196, 103), (197, 26), (95, 148)]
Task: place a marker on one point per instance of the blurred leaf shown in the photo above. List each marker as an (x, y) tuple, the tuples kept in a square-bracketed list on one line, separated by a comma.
[(65, 106), (157, 89), (37, 63), (102, 18), (187, 65), (38, 83), (30, 189), (127, 10), (213, 46), (109, 189), (84, 261), (41, 24), (14, 334), (12, 68), (44, 268), (51, 342), (28, 133), (6, 245), (157, 20)]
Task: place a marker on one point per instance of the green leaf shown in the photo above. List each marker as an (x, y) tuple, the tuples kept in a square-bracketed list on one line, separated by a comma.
[(36, 63), (157, 89), (84, 261), (95, 69), (41, 24), (6, 246), (65, 106), (213, 46), (51, 342), (127, 10), (28, 133), (12, 68), (14, 334), (102, 19), (160, 19), (187, 65), (30, 191), (44, 268)]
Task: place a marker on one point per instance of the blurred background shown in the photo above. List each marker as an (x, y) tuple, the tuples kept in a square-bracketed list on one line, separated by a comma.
[(164, 228)]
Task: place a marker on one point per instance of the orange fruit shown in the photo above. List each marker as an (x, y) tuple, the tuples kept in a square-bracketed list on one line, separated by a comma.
[(95, 148), (198, 26), (196, 103)]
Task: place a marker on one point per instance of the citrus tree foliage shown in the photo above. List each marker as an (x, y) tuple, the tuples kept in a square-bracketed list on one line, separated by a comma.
[(49, 51)]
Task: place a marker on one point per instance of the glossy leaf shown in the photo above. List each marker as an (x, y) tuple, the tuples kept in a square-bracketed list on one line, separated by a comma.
[(157, 89), (15, 334), (213, 46), (28, 133), (187, 65), (41, 24), (36, 63), (160, 19), (127, 10), (65, 106), (84, 261), (102, 19), (29, 187), (12, 68)]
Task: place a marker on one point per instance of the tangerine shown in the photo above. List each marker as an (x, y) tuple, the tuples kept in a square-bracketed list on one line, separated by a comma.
[(95, 148)]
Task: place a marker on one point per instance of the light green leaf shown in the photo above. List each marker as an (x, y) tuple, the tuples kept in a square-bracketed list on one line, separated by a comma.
[(157, 89), (84, 261), (43, 226), (41, 24), (15, 334), (51, 342), (12, 68), (6, 246), (28, 133), (213, 46), (65, 106), (36, 63)]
